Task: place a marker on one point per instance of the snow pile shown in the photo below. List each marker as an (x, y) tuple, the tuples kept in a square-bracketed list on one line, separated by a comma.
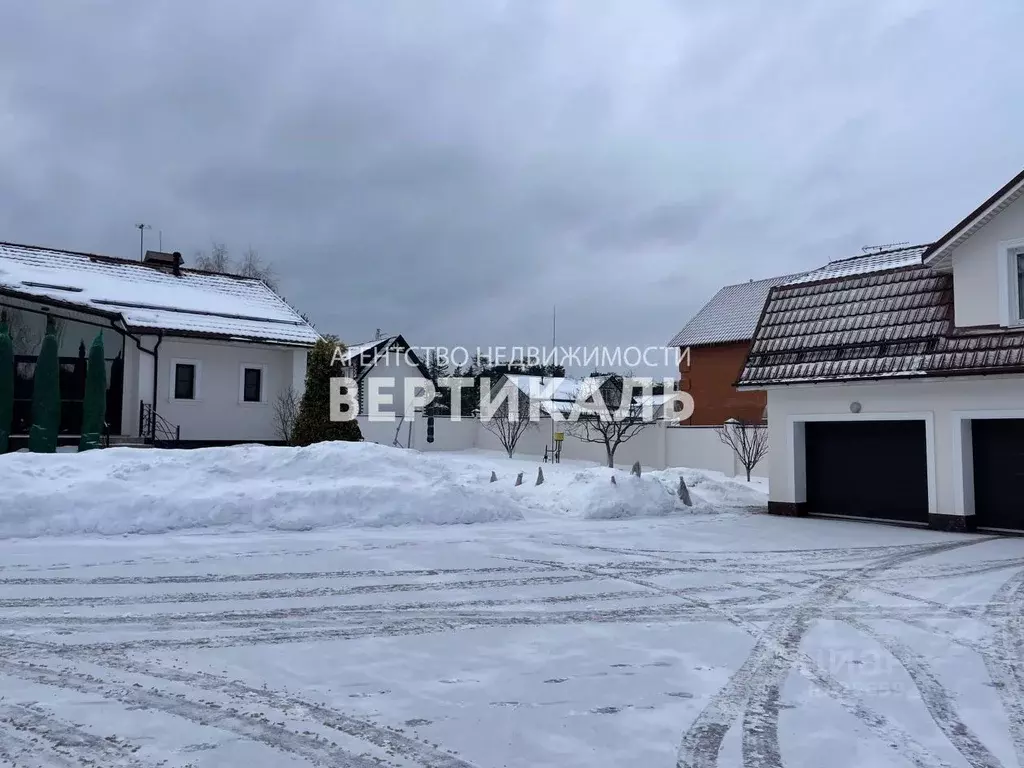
[(598, 498), (713, 491), (128, 490)]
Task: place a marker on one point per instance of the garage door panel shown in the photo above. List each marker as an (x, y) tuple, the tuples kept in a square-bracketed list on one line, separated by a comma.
[(875, 469), (998, 446)]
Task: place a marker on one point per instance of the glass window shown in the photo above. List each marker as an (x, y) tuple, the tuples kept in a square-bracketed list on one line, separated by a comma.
[(1020, 286), (252, 385), (184, 381)]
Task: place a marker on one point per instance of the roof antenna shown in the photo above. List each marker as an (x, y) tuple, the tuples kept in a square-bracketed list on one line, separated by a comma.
[(142, 238), (883, 248)]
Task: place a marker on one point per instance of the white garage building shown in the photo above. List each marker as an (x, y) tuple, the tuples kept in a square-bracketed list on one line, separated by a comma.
[(895, 380)]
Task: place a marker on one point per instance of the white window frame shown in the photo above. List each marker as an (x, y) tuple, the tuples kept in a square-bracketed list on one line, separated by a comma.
[(1009, 309), (197, 385), (242, 368)]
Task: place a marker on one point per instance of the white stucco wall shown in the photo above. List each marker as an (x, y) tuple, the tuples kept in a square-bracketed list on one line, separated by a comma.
[(657, 447), (944, 405), (218, 412), (389, 378), (979, 294)]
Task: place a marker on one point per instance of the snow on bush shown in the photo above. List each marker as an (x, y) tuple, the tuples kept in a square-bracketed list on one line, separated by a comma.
[(127, 490)]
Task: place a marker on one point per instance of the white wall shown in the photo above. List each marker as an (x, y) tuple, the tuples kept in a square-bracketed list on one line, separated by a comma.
[(218, 413), (396, 366), (657, 447), (942, 403), (979, 296)]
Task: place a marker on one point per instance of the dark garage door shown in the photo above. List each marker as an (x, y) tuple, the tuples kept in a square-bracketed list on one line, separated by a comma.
[(876, 469), (998, 472)]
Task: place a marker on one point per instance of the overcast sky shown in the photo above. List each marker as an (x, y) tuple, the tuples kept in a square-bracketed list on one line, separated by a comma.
[(450, 169)]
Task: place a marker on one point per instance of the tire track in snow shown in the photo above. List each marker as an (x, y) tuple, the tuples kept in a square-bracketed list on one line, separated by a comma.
[(761, 716), (758, 680), (1003, 662), (275, 594), (714, 733), (252, 728), (895, 736), (59, 735), (329, 613), (385, 738), (935, 698), (217, 578)]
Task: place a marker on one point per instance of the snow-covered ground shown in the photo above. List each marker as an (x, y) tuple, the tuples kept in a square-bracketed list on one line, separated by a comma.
[(127, 490), (718, 637)]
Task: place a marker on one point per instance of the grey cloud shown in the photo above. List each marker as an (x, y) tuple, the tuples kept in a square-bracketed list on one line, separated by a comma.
[(452, 169)]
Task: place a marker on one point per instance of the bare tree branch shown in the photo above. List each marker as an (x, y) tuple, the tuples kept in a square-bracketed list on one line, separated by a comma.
[(602, 419), (253, 266), (509, 423), (24, 337), (748, 441), (217, 260), (286, 410)]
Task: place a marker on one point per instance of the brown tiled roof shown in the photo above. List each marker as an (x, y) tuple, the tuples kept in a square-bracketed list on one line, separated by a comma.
[(897, 323)]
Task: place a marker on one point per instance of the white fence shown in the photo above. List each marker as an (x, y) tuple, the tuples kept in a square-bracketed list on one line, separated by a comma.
[(656, 447)]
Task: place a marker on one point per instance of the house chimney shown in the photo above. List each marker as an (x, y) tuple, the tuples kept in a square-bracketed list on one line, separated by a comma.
[(164, 260)]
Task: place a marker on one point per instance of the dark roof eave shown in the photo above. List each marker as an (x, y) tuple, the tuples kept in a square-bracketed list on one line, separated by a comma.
[(911, 375), (85, 309), (722, 343), (172, 333)]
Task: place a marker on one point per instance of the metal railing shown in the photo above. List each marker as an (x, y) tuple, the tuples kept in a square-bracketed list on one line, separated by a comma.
[(155, 429)]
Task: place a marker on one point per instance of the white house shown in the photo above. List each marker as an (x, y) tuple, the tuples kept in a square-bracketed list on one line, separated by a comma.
[(895, 380), (194, 355), (385, 370)]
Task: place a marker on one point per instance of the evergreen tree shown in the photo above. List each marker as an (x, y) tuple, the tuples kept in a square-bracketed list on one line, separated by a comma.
[(437, 367), (94, 407), (46, 396), (6, 384), (313, 424)]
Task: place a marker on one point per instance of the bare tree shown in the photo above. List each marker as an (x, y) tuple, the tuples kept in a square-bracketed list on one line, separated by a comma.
[(605, 413), (253, 265), (510, 420), (748, 441), (25, 336), (217, 260), (286, 410), (250, 265)]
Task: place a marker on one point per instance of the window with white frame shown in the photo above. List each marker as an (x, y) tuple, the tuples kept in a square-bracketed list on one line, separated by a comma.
[(184, 380), (1011, 282), (251, 384), (1018, 276)]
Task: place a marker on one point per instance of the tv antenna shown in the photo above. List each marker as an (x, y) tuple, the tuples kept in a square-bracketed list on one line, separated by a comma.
[(142, 238), (886, 247)]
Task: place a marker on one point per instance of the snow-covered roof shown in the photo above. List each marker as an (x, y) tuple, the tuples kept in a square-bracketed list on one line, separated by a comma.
[(149, 298), (879, 261), (354, 351), (731, 315), (552, 388)]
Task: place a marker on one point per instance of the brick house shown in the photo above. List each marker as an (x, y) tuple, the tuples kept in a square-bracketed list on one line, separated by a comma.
[(713, 347)]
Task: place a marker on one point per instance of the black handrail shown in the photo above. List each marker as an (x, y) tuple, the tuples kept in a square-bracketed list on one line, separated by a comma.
[(155, 429)]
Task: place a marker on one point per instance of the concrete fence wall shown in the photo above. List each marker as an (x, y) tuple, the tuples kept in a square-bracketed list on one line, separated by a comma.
[(656, 447)]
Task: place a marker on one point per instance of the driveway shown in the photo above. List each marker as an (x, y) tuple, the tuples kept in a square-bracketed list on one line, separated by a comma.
[(731, 640)]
